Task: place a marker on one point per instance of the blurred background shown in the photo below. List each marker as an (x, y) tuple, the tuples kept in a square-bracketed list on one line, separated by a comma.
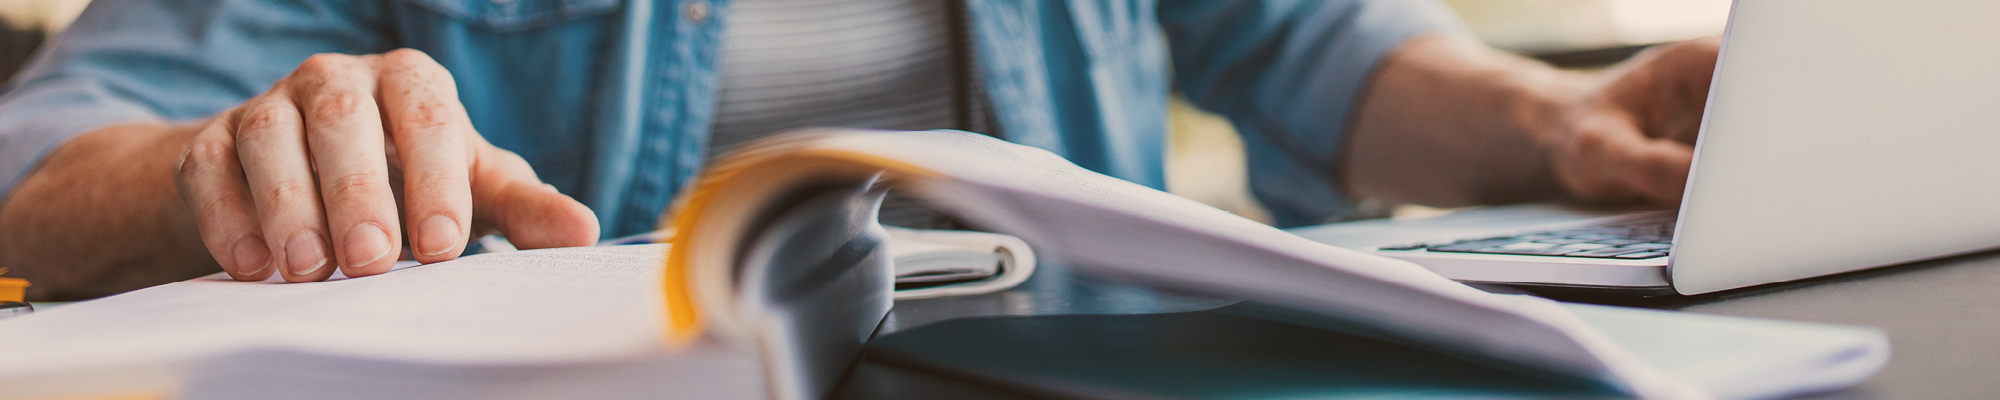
[(25, 24), (1205, 159)]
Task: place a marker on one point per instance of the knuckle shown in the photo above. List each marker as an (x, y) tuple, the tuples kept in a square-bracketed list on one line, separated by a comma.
[(265, 115), (336, 104), (356, 185), (412, 62), (408, 57), (416, 66), (323, 71), (202, 152), (427, 116), (323, 63), (287, 191)]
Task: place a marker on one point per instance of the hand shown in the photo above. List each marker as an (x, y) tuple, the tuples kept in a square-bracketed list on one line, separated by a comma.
[(1630, 138), (311, 175)]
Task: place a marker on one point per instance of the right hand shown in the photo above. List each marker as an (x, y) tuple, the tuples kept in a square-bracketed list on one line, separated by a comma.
[(310, 176), (1630, 138)]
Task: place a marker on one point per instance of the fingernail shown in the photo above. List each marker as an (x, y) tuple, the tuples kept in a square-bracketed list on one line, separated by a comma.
[(440, 235), (366, 244), (251, 256), (304, 254)]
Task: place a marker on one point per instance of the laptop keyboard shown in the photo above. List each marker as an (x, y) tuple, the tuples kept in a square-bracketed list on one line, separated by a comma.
[(1630, 240)]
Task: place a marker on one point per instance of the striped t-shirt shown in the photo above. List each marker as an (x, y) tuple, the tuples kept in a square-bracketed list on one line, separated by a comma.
[(882, 64)]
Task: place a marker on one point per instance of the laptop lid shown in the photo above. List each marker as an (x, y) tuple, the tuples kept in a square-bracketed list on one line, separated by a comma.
[(1841, 135)]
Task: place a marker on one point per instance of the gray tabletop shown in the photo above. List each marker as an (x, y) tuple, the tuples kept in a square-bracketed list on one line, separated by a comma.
[(1942, 316), (1943, 319)]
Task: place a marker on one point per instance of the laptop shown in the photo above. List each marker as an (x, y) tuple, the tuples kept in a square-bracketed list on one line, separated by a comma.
[(1839, 135)]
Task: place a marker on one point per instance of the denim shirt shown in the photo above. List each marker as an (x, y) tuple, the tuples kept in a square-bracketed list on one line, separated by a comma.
[(611, 100)]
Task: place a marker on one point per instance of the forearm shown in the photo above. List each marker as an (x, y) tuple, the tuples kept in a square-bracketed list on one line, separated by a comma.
[(1449, 122), (101, 215)]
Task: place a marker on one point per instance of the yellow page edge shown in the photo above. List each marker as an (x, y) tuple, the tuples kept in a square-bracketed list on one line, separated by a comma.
[(684, 319)]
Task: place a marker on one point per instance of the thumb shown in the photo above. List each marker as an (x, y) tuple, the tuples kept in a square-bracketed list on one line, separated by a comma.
[(507, 197)]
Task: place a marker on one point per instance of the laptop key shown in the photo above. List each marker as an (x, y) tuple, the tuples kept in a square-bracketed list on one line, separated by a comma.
[(1648, 246), (1619, 242)]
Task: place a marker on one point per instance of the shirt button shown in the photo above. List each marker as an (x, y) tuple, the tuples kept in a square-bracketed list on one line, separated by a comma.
[(695, 11)]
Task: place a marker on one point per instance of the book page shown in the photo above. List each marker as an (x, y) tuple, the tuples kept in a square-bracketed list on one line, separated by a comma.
[(539, 306), (1744, 358)]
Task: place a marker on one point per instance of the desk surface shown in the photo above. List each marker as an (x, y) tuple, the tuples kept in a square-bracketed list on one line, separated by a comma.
[(1942, 316), (1943, 319)]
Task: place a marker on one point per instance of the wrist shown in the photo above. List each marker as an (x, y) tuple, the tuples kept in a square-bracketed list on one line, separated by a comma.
[(101, 215), (1545, 105)]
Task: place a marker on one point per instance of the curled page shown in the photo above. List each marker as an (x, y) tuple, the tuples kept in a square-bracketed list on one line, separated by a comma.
[(966, 262), (1116, 229)]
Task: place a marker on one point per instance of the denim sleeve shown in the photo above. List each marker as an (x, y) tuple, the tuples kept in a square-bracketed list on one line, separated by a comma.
[(1287, 74), (165, 60)]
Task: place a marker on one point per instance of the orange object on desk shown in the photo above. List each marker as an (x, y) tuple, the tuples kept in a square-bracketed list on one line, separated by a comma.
[(12, 289)]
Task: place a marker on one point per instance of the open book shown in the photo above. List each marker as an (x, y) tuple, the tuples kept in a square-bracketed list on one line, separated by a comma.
[(777, 273)]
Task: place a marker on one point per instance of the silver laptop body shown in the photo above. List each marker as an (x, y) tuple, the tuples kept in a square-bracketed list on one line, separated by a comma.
[(1839, 135)]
